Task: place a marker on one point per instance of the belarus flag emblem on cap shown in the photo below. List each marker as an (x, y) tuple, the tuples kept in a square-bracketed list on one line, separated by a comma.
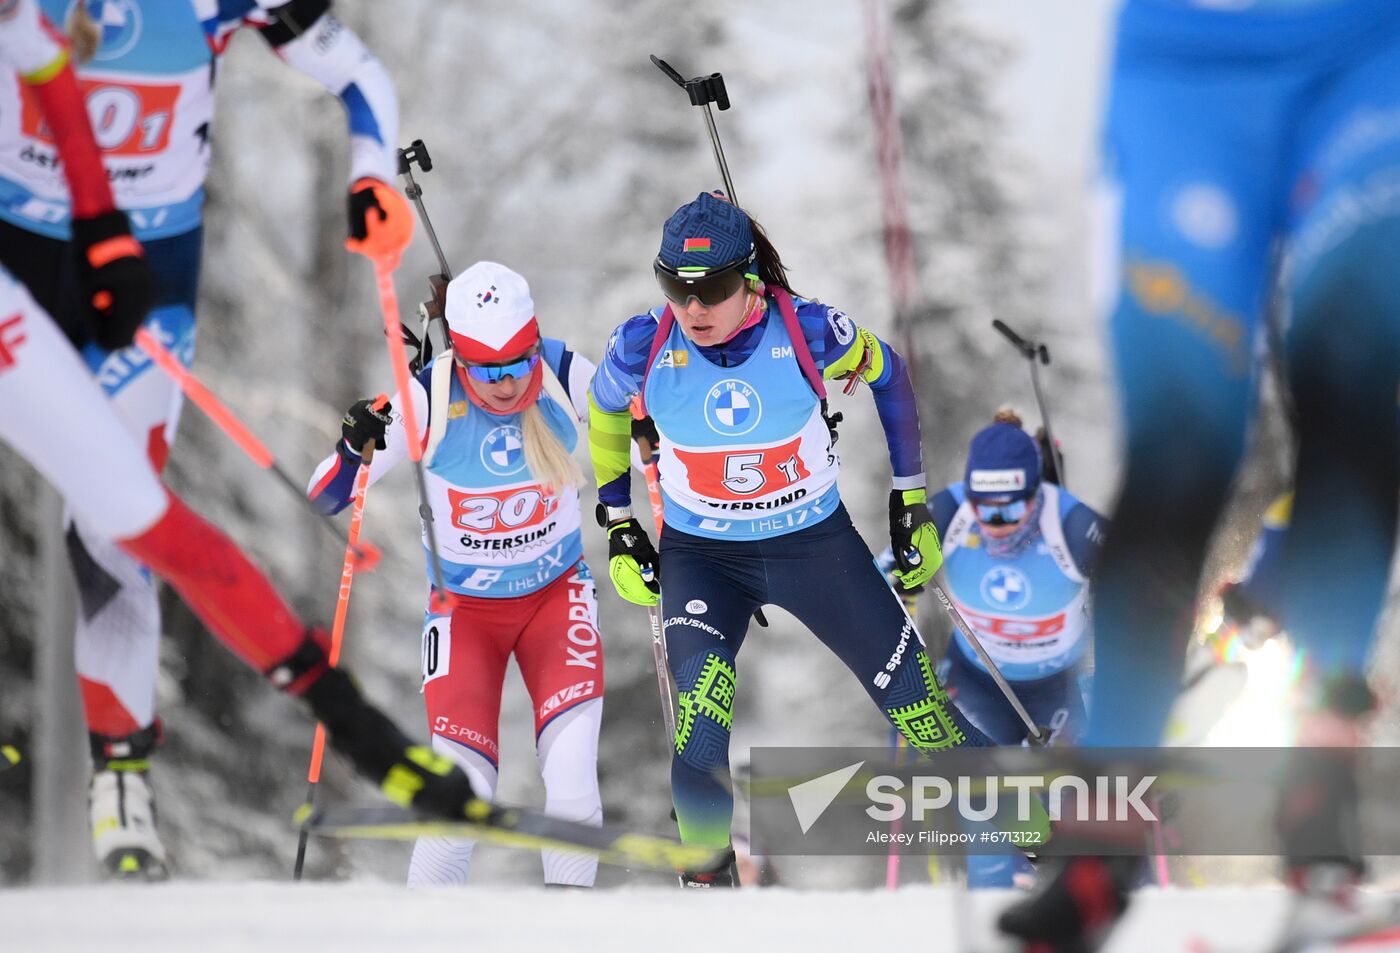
[(696, 244)]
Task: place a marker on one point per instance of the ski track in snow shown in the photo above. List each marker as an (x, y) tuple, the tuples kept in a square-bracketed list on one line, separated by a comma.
[(374, 918)]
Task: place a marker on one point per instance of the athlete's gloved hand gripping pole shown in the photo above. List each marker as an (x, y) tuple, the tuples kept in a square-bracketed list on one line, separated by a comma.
[(1037, 353), (380, 406), (366, 555)]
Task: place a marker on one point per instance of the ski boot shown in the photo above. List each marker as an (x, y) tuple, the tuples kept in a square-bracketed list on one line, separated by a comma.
[(1075, 910), (410, 775), (723, 875), (1318, 821), (122, 807)]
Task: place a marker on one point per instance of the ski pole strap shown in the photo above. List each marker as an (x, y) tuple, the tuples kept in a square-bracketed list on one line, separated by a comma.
[(800, 347)]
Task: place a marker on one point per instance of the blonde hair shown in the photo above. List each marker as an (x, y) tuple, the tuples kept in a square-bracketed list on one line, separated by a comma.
[(1006, 414), (84, 35), (546, 456)]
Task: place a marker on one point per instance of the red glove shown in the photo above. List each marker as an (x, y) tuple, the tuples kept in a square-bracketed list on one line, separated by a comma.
[(381, 223)]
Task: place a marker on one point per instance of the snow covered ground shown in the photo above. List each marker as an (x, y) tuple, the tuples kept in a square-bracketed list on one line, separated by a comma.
[(373, 918)]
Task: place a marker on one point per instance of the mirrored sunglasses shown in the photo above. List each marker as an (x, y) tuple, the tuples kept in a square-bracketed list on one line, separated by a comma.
[(1001, 514), (495, 373)]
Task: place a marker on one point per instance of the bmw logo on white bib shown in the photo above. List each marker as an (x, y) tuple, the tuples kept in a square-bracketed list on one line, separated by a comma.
[(732, 408), (120, 21), (1006, 588), (503, 451)]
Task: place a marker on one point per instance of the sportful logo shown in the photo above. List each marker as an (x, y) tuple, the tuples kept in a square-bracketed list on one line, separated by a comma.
[(696, 244), (996, 481), (882, 679)]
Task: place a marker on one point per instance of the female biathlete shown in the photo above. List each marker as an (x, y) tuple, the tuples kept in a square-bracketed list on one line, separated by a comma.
[(148, 81), (1017, 554), (731, 372), (499, 415), (58, 419)]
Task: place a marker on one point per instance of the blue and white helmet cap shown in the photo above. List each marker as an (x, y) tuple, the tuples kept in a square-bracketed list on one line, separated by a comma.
[(1003, 463)]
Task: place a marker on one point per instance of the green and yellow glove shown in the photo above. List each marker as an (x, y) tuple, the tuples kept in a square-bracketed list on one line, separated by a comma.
[(633, 564), (913, 538)]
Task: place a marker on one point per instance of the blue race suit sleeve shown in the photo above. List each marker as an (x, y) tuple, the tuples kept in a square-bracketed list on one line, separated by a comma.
[(620, 375), (841, 347)]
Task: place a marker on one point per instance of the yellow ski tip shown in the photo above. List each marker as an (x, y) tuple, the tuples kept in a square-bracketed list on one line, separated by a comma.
[(10, 753)]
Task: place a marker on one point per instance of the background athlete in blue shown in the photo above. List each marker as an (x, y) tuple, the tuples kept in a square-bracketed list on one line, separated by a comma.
[(753, 515), (1018, 551), (1235, 129)]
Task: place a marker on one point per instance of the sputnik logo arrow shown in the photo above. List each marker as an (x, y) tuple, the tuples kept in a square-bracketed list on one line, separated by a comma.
[(810, 799)]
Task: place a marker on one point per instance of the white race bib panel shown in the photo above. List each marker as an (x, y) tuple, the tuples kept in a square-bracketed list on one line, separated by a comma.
[(745, 452), (437, 647)]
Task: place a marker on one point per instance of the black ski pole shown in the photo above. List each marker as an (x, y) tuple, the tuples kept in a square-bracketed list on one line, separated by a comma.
[(1037, 353), (704, 90)]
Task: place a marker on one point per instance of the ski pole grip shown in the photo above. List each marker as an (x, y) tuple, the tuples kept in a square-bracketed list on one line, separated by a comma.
[(666, 68), (416, 152), (1021, 344)]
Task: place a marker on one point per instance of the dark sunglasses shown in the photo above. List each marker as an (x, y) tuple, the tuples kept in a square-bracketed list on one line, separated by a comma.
[(495, 373), (710, 286)]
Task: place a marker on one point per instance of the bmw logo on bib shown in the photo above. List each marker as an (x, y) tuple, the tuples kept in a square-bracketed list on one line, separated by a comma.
[(1006, 588), (503, 451), (732, 408), (120, 21)]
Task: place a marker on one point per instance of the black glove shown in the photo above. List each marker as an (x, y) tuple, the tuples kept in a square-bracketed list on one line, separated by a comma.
[(644, 428), (633, 563), (113, 277), (362, 424), (913, 538)]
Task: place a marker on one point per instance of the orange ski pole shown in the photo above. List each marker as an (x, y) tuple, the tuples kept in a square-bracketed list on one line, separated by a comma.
[(398, 358), (366, 555), (342, 608)]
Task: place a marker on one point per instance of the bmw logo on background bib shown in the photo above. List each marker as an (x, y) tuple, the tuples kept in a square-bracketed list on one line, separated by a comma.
[(732, 408), (503, 451), (1006, 588), (120, 21)]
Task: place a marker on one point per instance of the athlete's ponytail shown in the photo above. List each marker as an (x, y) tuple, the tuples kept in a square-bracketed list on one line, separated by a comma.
[(770, 264), (546, 456), (84, 35)]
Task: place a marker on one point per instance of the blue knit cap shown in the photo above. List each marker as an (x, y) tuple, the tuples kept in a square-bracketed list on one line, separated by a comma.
[(1002, 463), (706, 233)]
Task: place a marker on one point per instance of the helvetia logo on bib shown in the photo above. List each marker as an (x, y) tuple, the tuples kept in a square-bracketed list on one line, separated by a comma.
[(1006, 588), (732, 408), (120, 21), (503, 451)]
